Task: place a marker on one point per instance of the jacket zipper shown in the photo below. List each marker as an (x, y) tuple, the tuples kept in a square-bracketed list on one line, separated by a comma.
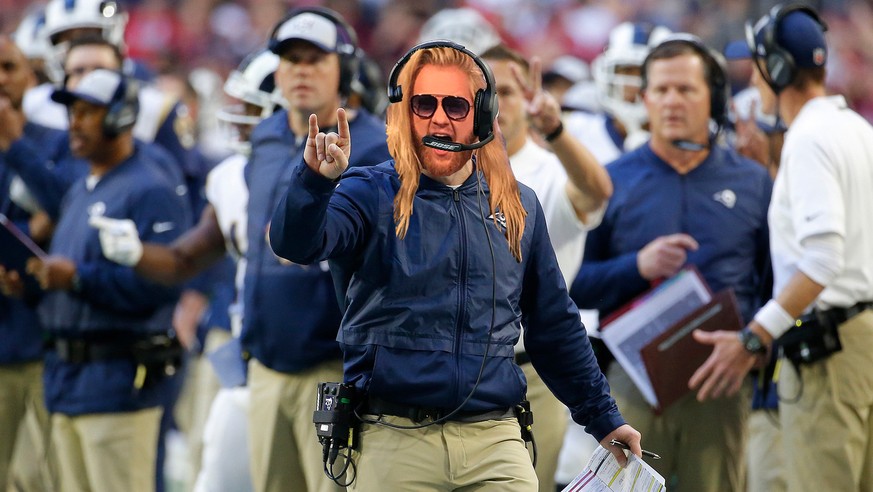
[(462, 288)]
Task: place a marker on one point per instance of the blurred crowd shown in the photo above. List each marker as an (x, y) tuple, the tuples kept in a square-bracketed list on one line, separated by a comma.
[(185, 36)]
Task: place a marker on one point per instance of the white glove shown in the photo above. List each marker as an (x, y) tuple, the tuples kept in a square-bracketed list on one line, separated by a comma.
[(21, 196), (119, 239)]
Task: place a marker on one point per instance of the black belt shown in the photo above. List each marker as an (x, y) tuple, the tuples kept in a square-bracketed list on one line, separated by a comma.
[(838, 315), (522, 358), (378, 406), (78, 351)]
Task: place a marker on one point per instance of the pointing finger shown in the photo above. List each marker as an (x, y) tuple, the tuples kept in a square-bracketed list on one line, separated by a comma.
[(342, 123), (313, 126)]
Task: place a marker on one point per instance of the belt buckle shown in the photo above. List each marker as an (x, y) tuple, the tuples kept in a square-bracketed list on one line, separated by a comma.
[(71, 351), (420, 414)]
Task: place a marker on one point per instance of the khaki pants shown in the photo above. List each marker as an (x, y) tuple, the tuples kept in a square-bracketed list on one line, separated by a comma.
[(285, 453), (200, 387), (24, 428), (702, 445), (481, 456), (828, 432), (765, 457), (107, 452), (550, 423)]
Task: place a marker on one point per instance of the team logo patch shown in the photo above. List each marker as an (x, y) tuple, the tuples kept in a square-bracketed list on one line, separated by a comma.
[(499, 218), (818, 56), (726, 197)]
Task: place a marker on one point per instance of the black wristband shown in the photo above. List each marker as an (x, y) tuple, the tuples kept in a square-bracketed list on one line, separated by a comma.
[(555, 133)]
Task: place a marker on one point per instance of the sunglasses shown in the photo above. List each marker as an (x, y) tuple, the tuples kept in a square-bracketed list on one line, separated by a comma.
[(425, 105)]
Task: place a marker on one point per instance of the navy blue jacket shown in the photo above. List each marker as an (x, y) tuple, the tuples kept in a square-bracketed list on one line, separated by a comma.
[(722, 204), (291, 314), (424, 313), (20, 330), (113, 300)]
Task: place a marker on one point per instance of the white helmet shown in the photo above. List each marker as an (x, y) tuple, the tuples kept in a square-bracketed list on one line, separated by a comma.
[(464, 26), (65, 15), (252, 82), (30, 35), (628, 45)]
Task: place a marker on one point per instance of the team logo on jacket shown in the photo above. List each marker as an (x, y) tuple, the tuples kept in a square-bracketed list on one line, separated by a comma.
[(499, 218), (726, 197)]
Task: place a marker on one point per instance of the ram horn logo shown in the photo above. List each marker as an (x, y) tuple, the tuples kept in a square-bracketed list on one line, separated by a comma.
[(726, 197)]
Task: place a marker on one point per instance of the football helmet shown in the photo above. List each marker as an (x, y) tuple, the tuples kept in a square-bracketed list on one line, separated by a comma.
[(62, 16), (253, 83), (30, 35), (463, 26), (618, 93)]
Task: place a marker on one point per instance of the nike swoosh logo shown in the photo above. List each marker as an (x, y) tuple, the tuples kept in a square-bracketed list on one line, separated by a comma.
[(160, 227)]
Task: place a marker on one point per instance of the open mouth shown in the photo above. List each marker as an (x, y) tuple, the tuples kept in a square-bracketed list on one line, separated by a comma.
[(442, 137)]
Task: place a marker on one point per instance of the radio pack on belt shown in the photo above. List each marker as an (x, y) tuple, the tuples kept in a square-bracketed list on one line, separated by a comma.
[(814, 337), (336, 424)]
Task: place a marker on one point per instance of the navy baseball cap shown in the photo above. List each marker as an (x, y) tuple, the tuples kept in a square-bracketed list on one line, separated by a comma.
[(96, 87), (307, 26), (799, 33), (803, 37)]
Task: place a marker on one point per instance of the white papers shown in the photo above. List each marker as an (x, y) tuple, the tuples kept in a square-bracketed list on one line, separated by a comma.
[(649, 316), (603, 474)]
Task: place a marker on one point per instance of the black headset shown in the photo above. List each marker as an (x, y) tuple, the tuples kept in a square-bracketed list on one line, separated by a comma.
[(347, 44), (123, 108), (779, 62), (485, 102), (719, 90)]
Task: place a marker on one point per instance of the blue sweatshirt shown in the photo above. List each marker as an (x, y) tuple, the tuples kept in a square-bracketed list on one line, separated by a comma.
[(291, 314), (424, 313), (722, 204), (113, 301)]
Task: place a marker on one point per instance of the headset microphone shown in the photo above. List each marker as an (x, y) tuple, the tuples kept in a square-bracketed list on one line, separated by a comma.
[(454, 146), (689, 145)]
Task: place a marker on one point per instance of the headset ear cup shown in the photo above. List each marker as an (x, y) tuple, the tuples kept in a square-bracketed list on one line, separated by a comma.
[(395, 93), (478, 116), (121, 114), (780, 67)]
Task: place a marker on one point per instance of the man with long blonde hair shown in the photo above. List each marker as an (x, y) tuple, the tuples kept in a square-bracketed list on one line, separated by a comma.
[(444, 257)]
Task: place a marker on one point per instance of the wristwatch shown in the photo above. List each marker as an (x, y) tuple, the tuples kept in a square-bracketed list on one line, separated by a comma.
[(752, 342)]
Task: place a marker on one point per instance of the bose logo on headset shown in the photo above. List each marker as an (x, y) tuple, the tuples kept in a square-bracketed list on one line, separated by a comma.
[(484, 103)]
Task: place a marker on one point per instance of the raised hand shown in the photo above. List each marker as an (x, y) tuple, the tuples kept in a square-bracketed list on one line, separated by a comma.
[(543, 109), (118, 239), (328, 154)]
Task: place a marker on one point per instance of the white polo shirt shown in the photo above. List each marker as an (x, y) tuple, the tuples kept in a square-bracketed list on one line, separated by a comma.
[(825, 185), (541, 170)]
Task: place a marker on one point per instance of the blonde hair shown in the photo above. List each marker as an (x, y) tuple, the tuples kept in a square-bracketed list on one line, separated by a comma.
[(491, 158)]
